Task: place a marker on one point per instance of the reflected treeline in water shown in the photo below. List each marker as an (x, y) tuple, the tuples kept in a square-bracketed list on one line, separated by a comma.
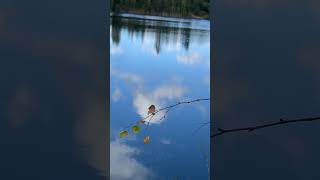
[(160, 31)]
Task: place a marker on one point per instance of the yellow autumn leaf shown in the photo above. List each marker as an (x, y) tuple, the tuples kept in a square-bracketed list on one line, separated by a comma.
[(152, 109), (146, 139)]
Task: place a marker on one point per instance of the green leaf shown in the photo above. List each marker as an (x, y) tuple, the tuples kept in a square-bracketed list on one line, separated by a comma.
[(123, 134), (135, 129)]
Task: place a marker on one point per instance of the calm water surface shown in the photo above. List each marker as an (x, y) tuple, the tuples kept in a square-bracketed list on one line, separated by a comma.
[(266, 68), (53, 99), (159, 61)]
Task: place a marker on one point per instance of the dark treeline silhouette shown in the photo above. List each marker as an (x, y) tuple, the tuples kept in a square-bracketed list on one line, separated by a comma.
[(177, 8), (161, 31)]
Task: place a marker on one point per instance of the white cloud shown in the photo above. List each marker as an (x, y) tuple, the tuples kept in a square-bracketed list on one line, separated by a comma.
[(203, 111), (165, 141), (148, 44), (189, 59), (115, 50), (142, 99), (116, 95), (142, 102), (168, 92), (158, 97), (123, 165), (129, 77), (173, 46)]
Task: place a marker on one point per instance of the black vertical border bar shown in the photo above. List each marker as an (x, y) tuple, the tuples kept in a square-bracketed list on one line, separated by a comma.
[(107, 81), (212, 63)]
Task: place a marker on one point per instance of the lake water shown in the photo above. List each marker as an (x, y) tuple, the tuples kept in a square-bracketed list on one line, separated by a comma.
[(266, 68), (160, 61), (53, 93)]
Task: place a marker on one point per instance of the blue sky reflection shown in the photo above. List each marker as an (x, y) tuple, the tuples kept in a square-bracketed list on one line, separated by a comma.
[(160, 63)]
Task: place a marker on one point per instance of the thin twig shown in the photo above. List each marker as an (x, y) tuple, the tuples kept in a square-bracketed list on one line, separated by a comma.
[(165, 114), (182, 102), (226, 131), (252, 128), (149, 122), (168, 108), (202, 125), (205, 122), (137, 121)]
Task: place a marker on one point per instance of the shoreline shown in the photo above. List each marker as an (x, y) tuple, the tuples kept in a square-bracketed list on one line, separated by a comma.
[(157, 15)]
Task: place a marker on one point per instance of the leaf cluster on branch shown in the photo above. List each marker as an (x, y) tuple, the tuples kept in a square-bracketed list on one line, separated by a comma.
[(152, 112)]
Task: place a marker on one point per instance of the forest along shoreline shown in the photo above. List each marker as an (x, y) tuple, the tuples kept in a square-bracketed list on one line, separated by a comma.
[(192, 9), (120, 14), (153, 17)]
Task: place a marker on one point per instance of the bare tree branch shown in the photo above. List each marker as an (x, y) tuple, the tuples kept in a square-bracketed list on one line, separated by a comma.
[(168, 108), (226, 131), (182, 102), (201, 126), (252, 128)]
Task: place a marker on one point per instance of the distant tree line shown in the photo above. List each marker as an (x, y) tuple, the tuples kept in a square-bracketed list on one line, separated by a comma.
[(162, 34), (178, 8)]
